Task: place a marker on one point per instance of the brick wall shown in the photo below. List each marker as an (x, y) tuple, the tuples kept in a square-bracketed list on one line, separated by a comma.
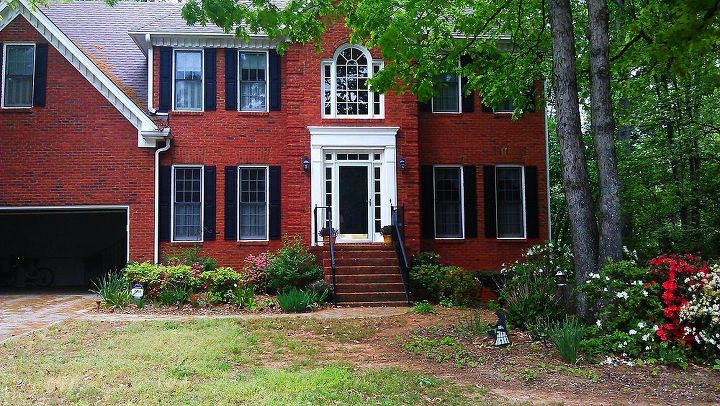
[(78, 150)]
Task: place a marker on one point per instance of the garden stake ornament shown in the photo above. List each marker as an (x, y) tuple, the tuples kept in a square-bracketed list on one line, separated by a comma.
[(501, 337)]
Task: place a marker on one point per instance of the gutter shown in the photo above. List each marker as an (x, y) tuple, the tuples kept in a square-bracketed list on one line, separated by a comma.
[(156, 246), (547, 161)]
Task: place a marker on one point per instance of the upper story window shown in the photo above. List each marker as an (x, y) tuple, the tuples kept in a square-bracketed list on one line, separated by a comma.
[(448, 94), (505, 107), (346, 92), (18, 78), (510, 201), (188, 80), (253, 81)]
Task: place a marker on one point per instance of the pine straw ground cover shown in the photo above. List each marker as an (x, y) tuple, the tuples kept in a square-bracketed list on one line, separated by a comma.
[(440, 358)]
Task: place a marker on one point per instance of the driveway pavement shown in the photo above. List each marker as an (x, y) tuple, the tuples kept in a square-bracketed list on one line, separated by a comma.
[(26, 312)]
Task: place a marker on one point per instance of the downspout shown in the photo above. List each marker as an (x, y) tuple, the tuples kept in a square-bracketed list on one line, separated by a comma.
[(156, 255), (547, 161)]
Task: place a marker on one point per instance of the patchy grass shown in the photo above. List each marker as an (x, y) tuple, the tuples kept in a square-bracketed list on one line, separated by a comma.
[(224, 361)]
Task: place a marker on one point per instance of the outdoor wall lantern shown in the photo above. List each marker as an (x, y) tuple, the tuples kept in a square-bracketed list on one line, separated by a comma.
[(403, 163), (306, 164)]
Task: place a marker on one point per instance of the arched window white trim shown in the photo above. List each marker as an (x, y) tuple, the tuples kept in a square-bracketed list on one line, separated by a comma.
[(345, 92)]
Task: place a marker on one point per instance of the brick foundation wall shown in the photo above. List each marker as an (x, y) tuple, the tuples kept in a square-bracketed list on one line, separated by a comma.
[(77, 150)]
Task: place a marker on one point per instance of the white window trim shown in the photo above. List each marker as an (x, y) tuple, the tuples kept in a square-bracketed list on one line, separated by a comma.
[(524, 209), (496, 111), (267, 203), (333, 79), (462, 204), (2, 76), (267, 80), (202, 203), (202, 78), (460, 94)]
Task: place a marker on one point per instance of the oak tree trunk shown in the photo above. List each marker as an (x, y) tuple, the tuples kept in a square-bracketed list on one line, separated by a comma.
[(603, 131), (574, 167)]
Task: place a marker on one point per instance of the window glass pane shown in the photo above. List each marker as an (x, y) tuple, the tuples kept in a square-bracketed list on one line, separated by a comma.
[(188, 204), (188, 80), (448, 203), (253, 204), (505, 107), (351, 75), (510, 214), (447, 94), (19, 66), (253, 72)]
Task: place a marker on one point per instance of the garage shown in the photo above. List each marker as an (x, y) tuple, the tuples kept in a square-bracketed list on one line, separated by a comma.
[(60, 248)]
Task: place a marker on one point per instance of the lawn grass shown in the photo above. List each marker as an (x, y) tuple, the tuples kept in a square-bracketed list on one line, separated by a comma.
[(213, 362)]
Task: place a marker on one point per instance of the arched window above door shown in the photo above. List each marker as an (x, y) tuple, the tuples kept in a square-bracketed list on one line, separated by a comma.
[(346, 91)]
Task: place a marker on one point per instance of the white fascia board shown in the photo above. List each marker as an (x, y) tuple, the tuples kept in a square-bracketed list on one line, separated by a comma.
[(321, 136), (131, 111)]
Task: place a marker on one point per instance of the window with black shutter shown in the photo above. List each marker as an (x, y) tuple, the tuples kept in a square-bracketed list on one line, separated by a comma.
[(510, 201)]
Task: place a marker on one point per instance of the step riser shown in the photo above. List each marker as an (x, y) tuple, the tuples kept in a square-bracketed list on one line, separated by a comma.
[(364, 262), (363, 270), (378, 278), (373, 304), (369, 287), (371, 297), (362, 255)]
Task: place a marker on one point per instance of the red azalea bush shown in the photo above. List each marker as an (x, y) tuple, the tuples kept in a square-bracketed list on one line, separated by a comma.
[(678, 276)]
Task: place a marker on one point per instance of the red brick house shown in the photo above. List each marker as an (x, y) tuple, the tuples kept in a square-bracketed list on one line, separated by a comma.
[(125, 134)]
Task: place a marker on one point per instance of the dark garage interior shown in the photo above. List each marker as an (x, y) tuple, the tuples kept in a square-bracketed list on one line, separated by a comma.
[(60, 249)]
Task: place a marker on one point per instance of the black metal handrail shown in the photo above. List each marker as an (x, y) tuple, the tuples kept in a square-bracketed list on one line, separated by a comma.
[(328, 224), (398, 234)]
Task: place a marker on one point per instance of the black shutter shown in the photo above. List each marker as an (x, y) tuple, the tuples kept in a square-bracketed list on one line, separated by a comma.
[(274, 71), (425, 106), (468, 99), (41, 61), (531, 202), (489, 191), (274, 200), (210, 79), (210, 178), (231, 202), (470, 200), (427, 202), (231, 72), (486, 109), (165, 91), (164, 201), (531, 96)]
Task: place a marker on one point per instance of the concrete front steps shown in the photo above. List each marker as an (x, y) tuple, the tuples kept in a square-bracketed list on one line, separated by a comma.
[(365, 275)]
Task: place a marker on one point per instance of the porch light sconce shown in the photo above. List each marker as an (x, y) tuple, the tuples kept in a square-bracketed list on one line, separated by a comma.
[(403, 164), (306, 164)]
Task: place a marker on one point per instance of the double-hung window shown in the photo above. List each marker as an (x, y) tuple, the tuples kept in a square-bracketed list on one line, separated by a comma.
[(253, 203), (188, 80), (187, 203), (18, 78), (447, 94), (448, 189), (505, 107), (510, 201), (253, 81)]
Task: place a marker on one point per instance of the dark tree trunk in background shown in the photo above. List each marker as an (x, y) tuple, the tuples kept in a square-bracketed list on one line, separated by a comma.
[(603, 131), (575, 180)]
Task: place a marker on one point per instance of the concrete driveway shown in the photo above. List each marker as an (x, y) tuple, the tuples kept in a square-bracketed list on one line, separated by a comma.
[(25, 312)]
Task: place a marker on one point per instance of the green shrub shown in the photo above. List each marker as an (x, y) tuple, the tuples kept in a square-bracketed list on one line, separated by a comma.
[(322, 288), (293, 265), (114, 290), (191, 256), (430, 279), (296, 301), (179, 276), (423, 308), (529, 289), (566, 336), (221, 282), (174, 295), (146, 273)]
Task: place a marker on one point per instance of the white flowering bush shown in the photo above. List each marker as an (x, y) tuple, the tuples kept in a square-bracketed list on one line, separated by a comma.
[(702, 312)]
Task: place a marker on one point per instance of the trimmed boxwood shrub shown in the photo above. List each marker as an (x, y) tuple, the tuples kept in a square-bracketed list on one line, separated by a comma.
[(432, 280)]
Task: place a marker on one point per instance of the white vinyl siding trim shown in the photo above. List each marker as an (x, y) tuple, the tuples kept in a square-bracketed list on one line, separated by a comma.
[(523, 211), (202, 202), (202, 79), (462, 202), (267, 79), (3, 90), (267, 202)]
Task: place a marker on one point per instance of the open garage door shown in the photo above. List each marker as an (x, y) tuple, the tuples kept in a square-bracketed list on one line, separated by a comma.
[(60, 248)]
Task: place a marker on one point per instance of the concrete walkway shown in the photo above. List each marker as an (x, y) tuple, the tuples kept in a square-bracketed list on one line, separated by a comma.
[(21, 314)]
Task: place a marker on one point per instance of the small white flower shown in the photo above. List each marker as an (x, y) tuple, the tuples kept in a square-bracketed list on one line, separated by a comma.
[(646, 337), (623, 295), (599, 323), (645, 293), (632, 332), (641, 324), (647, 348), (656, 328)]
